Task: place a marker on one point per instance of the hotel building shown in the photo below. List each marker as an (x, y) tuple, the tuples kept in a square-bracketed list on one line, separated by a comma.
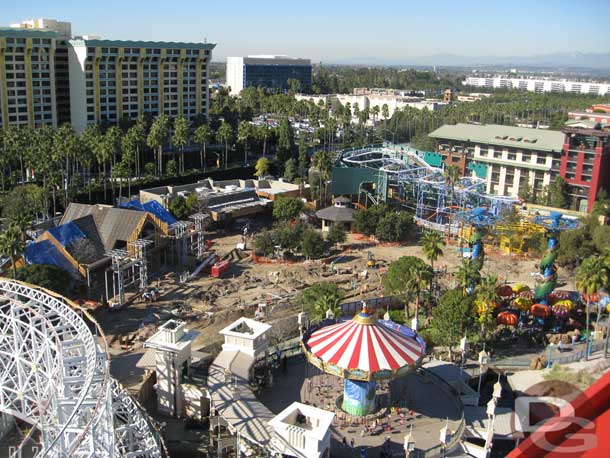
[(49, 77), (514, 157)]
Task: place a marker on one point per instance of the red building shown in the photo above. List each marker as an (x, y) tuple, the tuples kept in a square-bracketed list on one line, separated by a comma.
[(585, 162)]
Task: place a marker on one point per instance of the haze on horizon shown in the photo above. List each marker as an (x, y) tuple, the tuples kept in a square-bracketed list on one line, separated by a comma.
[(387, 31)]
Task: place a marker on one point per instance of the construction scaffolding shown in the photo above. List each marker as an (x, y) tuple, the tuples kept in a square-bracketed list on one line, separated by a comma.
[(128, 268), (187, 239)]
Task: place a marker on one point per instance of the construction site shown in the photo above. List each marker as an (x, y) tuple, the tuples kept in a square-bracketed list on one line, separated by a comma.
[(174, 294)]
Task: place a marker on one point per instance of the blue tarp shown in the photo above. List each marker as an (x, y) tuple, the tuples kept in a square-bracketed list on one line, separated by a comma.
[(44, 252), (66, 233), (153, 207)]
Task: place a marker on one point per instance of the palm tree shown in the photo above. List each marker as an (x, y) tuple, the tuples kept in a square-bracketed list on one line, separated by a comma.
[(487, 293), (182, 133), (225, 134), (203, 135), (12, 244), (262, 134), (591, 276), (324, 303), (245, 132), (452, 176), (432, 244), (157, 138), (467, 273), (419, 279)]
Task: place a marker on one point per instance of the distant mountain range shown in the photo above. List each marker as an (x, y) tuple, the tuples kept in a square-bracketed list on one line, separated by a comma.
[(597, 61)]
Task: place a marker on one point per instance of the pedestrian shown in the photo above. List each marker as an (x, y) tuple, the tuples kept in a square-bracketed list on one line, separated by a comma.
[(351, 443), (344, 441), (560, 346)]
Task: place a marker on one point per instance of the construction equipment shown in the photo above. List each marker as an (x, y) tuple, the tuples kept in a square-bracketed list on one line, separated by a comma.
[(220, 267), (371, 263)]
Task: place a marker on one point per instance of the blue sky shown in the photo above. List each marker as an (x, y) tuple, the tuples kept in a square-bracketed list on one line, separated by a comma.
[(332, 31)]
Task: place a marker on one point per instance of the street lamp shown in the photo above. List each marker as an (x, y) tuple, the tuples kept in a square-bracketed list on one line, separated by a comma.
[(409, 445), (483, 358)]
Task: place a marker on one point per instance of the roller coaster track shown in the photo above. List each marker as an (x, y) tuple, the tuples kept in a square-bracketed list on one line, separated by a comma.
[(54, 375)]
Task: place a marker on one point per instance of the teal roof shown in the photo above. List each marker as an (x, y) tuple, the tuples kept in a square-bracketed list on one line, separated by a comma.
[(493, 134), (433, 159), (142, 44), (27, 33)]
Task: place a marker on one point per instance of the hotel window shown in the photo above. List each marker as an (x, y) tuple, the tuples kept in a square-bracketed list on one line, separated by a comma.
[(512, 156), (541, 159), (497, 154)]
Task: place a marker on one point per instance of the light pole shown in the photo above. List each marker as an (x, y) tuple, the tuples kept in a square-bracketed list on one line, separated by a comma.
[(550, 359)]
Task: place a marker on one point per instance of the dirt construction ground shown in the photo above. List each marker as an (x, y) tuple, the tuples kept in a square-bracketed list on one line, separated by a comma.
[(209, 304)]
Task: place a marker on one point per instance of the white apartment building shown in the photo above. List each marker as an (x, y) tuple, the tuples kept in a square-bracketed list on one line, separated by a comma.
[(539, 85)]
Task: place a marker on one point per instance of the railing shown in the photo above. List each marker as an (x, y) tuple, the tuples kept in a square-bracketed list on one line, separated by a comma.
[(456, 437)]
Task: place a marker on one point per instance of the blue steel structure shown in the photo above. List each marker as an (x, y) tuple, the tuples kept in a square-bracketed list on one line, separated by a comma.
[(547, 277), (405, 179)]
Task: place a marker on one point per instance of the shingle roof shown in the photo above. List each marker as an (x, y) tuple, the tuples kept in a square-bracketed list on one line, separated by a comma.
[(341, 214), (492, 134), (112, 224)]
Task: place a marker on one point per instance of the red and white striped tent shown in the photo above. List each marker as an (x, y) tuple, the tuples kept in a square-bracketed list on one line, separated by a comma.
[(361, 347)]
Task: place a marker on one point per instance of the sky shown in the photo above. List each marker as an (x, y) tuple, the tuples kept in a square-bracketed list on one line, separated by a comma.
[(375, 32)]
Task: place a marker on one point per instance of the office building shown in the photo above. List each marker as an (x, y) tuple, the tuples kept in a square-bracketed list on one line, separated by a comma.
[(269, 72), (49, 77), (512, 158), (539, 85)]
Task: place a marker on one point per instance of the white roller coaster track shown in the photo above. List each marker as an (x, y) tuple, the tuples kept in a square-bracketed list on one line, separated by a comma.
[(54, 374)]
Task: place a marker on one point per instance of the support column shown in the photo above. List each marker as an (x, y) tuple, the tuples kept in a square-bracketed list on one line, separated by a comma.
[(358, 397)]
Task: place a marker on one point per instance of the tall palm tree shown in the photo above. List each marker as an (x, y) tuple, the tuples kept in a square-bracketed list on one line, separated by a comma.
[(452, 176), (203, 135), (324, 303), (591, 276), (419, 279), (432, 244), (225, 135)]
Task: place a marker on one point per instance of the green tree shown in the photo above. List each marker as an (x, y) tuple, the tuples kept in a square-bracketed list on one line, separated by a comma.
[(182, 133), (487, 295), (290, 170), (591, 276), (149, 169), (557, 193), (245, 134), (452, 175), (336, 234), (263, 133), (319, 298), (451, 317), (225, 135), (366, 219), (394, 227), (157, 138), (312, 244), (46, 276), (12, 244), (264, 245), (179, 208), (467, 273), (203, 136), (302, 159), (23, 202), (432, 244), (172, 168), (285, 141), (407, 277), (262, 167), (287, 208)]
